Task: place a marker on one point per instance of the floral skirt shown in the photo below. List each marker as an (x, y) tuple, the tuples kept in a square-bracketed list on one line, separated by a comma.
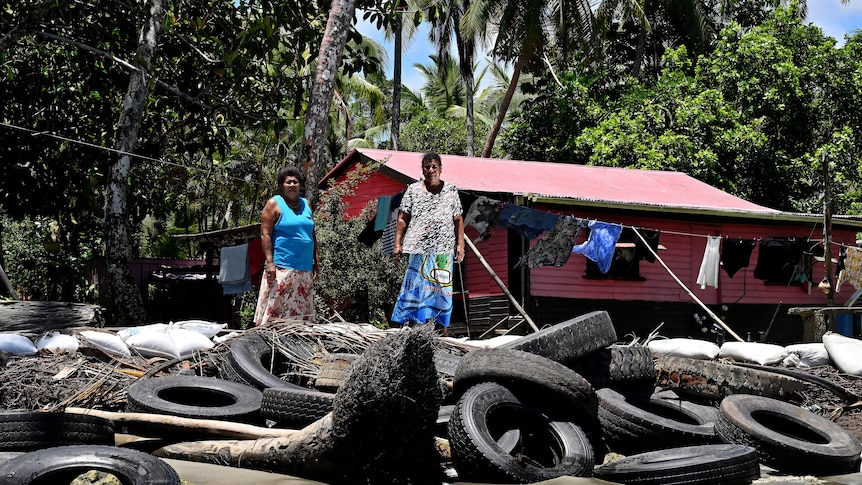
[(426, 293), (290, 296)]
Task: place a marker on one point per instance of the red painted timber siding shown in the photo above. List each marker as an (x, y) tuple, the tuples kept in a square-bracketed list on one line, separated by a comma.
[(495, 251), (376, 186), (683, 256)]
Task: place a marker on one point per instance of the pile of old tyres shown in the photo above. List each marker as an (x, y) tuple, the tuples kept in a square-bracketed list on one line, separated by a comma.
[(559, 401)]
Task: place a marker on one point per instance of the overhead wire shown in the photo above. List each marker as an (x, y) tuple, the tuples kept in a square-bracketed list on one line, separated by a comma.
[(122, 152)]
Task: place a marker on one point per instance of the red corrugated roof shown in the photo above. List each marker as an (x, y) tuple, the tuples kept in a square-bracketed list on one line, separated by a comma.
[(617, 186)]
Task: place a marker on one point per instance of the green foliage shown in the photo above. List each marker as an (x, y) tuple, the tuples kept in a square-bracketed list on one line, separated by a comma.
[(549, 123), (356, 280), (428, 131), (44, 262), (757, 117)]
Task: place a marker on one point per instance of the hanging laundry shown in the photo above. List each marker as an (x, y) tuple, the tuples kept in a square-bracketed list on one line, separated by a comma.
[(601, 244), (641, 251), (736, 254), (256, 260), (783, 260), (708, 274), (482, 216), (555, 246), (529, 223), (234, 274), (840, 268), (852, 268), (382, 216), (388, 237)]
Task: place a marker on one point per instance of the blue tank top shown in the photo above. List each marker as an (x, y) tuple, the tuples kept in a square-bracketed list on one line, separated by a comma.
[(292, 237)]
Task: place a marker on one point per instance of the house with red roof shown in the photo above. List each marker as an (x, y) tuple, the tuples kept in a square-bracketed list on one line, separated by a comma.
[(638, 294)]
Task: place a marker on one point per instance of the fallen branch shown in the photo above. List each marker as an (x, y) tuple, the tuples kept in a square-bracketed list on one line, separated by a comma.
[(158, 425)]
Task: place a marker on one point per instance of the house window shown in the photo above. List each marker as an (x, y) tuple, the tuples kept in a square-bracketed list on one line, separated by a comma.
[(623, 267), (626, 262)]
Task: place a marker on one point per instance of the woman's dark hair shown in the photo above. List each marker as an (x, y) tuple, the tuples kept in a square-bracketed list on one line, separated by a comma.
[(431, 157), (288, 171)]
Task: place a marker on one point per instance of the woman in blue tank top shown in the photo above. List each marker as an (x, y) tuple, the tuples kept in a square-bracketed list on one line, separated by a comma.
[(290, 250)]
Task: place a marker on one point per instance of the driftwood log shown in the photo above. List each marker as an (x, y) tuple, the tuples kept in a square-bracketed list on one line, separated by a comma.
[(381, 428), (160, 425), (39, 316)]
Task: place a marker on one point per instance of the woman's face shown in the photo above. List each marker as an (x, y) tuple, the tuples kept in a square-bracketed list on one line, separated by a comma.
[(431, 171), (290, 186)]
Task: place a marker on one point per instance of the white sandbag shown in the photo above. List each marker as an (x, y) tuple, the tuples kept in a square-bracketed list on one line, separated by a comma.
[(844, 352), (684, 347), (207, 329), (153, 327), (154, 344), (57, 342), (812, 355), (17, 344), (108, 342), (188, 341), (224, 338), (753, 352)]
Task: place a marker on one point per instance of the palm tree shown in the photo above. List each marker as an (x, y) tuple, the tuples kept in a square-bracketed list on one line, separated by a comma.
[(445, 18), (400, 31), (443, 87), (524, 29)]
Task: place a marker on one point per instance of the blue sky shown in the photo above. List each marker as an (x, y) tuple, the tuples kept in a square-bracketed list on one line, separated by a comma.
[(834, 18)]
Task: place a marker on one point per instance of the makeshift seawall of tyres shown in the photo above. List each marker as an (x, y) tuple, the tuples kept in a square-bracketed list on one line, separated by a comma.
[(787, 437), (636, 426), (567, 341), (295, 407), (715, 380), (247, 354), (63, 464), (486, 414), (718, 464), (195, 397), (25, 431)]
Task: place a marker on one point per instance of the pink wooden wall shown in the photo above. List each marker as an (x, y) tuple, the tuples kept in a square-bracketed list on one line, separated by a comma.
[(376, 186), (683, 256), (495, 251)]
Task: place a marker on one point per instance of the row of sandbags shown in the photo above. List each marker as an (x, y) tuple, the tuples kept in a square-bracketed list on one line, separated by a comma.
[(835, 349), (171, 340)]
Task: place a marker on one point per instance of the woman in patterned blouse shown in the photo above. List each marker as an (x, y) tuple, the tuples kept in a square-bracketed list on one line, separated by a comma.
[(430, 229)]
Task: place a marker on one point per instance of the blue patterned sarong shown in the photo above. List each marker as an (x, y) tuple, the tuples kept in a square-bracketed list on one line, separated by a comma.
[(426, 293)]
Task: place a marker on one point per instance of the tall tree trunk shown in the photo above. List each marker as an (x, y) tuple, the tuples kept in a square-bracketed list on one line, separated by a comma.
[(466, 51), (501, 114), (125, 298), (322, 89), (396, 83)]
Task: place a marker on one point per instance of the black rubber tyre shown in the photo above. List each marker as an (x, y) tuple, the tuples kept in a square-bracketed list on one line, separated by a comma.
[(788, 438), (538, 381), (567, 341), (628, 369), (195, 397), (718, 464), (486, 415), (247, 356), (295, 407), (333, 371), (27, 431), (634, 426), (715, 380), (63, 464)]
